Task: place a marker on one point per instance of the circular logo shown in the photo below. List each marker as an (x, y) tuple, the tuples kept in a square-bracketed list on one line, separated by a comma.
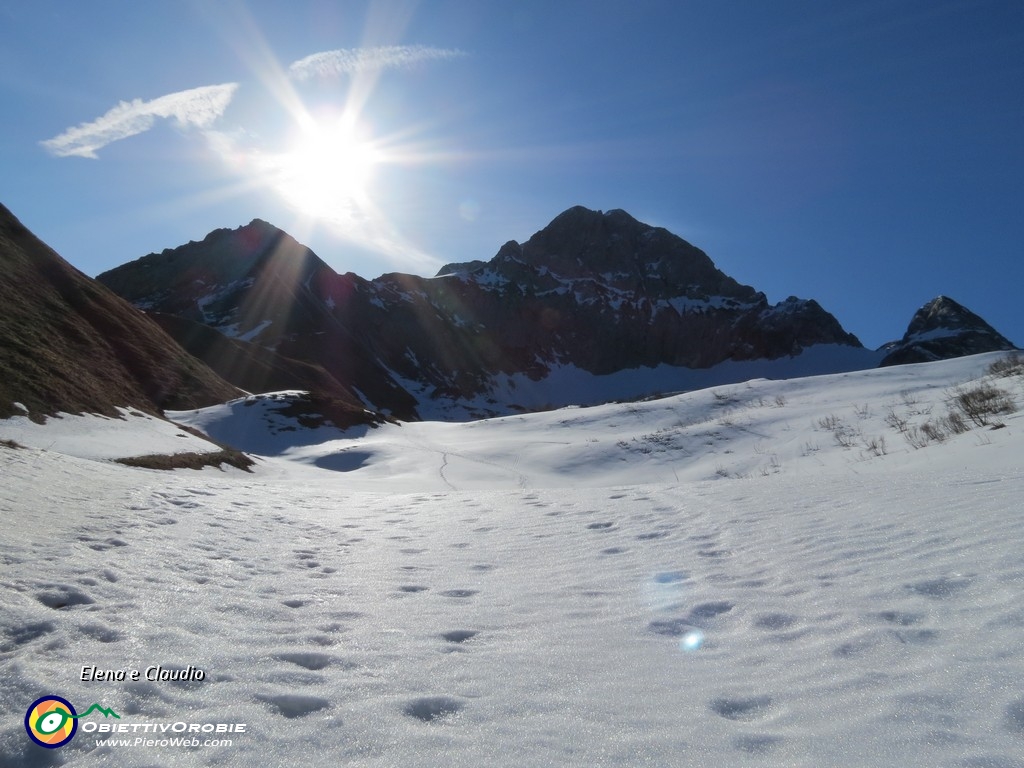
[(50, 722)]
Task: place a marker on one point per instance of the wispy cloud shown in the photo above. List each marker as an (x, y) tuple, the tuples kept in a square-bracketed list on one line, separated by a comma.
[(350, 60), (197, 107)]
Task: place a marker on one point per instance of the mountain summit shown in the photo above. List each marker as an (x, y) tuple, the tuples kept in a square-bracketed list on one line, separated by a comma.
[(593, 294), (941, 329), (615, 250)]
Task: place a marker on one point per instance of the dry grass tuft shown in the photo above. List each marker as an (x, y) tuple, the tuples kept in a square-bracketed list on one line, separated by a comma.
[(227, 456)]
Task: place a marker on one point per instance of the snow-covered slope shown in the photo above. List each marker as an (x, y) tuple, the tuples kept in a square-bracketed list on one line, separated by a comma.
[(91, 436), (729, 577), (856, 422)]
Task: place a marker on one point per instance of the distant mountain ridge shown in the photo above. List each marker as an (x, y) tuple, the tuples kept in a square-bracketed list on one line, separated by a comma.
[(596, 292), (594, 307), (594, 298)]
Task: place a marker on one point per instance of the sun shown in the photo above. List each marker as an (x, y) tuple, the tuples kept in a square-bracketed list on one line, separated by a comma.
[(327, 170)]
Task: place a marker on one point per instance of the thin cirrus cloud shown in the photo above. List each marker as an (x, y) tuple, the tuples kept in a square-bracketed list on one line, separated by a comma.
[(351, 60), (196, 107), (201, 107)]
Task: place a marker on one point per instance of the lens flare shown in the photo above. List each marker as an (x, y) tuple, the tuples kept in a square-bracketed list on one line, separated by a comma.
[(664, 590), (691, 641)]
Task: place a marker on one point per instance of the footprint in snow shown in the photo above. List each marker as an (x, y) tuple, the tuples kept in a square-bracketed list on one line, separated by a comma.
[(714, 553), (757, 743), (59, 596), (459, 593), (292, 705), (431, 708), (900, 618), (1014, 719), (743, 709), (310, 660), (26, 634), (775, 621), (459, 636), (939, 589), (100, 632)]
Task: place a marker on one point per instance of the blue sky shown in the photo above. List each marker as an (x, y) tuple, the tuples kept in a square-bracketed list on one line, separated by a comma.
[(866, 154)]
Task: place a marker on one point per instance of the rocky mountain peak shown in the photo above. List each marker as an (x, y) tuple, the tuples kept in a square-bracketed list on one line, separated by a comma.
[(941, 329), (615, 250), (943, 313), (204, 281)]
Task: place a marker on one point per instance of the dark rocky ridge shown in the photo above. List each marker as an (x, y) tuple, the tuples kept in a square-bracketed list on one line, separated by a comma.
[(69, 344), (258, 283), (944, 329), (601, 292)]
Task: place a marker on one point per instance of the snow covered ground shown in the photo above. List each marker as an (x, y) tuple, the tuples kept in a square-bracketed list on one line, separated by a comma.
[(746, 575), (101, 437)]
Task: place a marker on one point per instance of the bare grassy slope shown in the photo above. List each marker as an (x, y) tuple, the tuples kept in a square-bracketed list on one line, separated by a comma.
[(69, 344)]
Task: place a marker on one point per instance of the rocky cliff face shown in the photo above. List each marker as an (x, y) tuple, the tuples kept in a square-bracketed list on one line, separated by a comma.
[(944, 329), (595, 292), (69, 344)]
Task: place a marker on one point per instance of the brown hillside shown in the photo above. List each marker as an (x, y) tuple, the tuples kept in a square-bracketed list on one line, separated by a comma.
[(69, 344)]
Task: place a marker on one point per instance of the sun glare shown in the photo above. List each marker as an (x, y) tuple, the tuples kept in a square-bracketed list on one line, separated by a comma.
[(327, 170)]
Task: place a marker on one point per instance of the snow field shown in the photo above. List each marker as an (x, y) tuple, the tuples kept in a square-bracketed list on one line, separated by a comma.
[(102, 437), (751, 430), (494, 593)]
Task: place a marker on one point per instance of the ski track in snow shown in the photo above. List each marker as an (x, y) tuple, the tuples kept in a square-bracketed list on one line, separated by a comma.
[(849, 615)]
